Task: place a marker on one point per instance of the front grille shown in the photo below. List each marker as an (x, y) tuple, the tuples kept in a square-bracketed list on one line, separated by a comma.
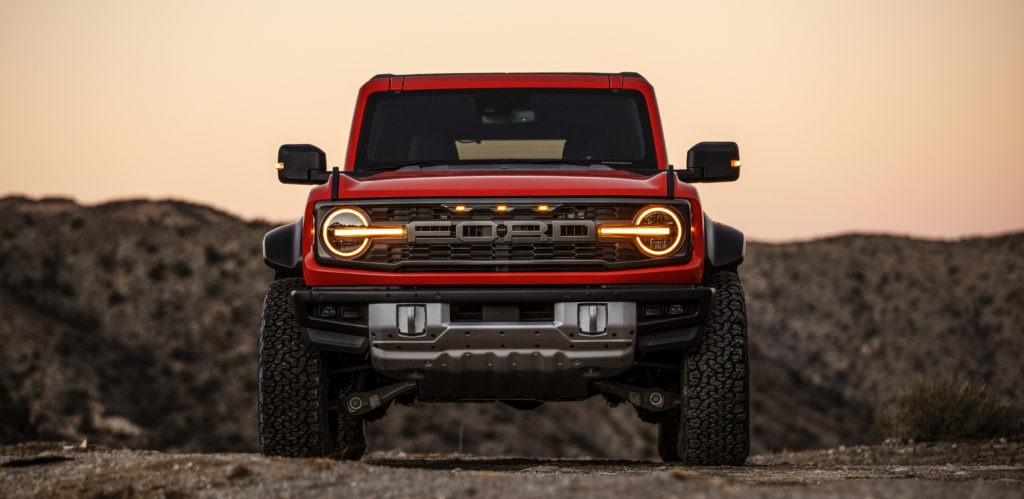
[(561, 236), (441, 243), (478, 231), (574, 231)]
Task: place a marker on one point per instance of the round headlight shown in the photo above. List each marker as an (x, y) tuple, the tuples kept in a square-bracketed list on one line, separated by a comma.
[(338, 242), (666, 232)]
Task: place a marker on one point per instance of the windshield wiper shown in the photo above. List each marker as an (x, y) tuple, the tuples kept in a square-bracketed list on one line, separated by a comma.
[(470, 164), (573, 162), (395, 166)]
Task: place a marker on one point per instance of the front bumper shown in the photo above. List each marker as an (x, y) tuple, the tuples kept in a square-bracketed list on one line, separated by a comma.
[(520, 342)]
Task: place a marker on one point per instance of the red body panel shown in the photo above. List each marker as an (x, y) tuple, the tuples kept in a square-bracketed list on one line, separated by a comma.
[(497, 183)]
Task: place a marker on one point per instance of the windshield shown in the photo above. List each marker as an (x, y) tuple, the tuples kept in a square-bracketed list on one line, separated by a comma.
[(502, 126)]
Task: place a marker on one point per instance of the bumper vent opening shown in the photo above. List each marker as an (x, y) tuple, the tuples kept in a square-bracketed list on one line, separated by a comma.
[(537, 312), (524, 312)]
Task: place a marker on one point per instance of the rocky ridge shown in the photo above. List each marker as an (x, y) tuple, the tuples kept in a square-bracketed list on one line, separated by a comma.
[(134, 324)]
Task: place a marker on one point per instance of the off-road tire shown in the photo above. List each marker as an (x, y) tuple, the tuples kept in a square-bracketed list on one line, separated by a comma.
[(296, 418), (712, 427)]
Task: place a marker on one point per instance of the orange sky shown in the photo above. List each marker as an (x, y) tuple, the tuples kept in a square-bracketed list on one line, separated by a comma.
[(863, 115)]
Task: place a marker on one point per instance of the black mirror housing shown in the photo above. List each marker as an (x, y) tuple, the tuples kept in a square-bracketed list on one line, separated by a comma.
[(301, 164), (712, 162)]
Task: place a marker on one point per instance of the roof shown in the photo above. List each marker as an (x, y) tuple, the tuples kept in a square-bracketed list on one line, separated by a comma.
[(511, 75), (506, 80)]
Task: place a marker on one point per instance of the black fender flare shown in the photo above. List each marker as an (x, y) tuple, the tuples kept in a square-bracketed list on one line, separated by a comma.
[(724, 246), (282, 249)]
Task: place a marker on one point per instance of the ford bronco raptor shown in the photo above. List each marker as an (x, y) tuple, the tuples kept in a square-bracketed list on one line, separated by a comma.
[(519, 238)]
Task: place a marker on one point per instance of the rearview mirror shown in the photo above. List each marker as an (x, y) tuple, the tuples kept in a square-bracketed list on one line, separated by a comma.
[(301, 164), (712, 162)]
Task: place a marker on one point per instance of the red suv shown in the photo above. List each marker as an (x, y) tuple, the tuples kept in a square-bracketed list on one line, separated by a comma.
[(518, 238)]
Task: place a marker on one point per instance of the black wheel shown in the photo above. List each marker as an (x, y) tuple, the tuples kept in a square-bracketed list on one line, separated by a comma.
[(712, 427), (296, 417)]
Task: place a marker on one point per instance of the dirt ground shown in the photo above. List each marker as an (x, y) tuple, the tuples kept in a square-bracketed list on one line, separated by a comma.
[(976, 469)]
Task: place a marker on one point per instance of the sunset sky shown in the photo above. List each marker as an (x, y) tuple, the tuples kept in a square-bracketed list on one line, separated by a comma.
[(901, 117)]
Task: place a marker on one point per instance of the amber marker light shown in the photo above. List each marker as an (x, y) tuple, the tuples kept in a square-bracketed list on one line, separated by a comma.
[(543, 207), (501, 208), (460, 208), (280, 165), (736, 163)]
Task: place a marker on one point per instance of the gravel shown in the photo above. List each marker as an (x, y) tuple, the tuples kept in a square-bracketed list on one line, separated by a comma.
[(972, 469)]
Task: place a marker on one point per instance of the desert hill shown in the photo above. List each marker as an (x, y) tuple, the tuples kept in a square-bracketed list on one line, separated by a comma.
[(135, 323)]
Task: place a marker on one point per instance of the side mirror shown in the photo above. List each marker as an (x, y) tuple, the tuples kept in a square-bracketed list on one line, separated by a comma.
[(301, 164), (712, 162)]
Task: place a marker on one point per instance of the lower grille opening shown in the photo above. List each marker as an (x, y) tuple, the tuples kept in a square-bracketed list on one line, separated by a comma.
[(537, 312), (467, 312), (523, 312)]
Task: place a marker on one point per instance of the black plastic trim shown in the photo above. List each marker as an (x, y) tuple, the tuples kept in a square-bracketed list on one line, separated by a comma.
[(652, 335), (301, 164), (335, 180), (282, 249), (701, 295), (362, 294), (670, 182), (678, 332), (724, 246), (335, 342), (712, 162), (670, 340)]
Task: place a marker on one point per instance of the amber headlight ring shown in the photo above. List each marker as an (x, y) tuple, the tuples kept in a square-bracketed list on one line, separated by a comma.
[(667, 244), (657, 231), (346, 232)]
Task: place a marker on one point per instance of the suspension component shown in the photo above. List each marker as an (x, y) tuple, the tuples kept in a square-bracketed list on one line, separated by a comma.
[(360, 403), (652, 399)]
